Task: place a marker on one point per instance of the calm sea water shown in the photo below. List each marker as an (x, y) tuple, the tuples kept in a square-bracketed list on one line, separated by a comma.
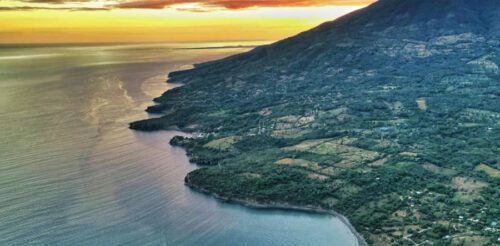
[(72, 173)]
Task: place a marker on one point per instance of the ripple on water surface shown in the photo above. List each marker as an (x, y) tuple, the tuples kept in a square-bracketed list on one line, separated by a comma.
[(71, 173)]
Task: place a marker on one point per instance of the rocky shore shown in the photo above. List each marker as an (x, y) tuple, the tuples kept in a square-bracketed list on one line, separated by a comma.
[(360, 241)]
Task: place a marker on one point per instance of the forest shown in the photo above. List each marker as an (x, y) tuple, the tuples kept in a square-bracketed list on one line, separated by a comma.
[(397, 130)]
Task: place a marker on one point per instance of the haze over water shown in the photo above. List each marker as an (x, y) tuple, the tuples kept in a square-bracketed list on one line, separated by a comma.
[(72, 173)]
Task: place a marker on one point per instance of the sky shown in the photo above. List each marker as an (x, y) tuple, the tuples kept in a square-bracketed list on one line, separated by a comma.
[(137, 21)]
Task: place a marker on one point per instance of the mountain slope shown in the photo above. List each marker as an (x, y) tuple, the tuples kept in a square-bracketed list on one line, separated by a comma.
[(389, 115)]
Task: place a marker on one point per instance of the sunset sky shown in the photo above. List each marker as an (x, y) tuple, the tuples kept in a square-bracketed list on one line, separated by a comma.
[(87, 21)]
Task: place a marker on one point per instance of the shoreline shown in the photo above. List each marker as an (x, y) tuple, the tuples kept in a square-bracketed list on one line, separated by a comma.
[(360, 241)]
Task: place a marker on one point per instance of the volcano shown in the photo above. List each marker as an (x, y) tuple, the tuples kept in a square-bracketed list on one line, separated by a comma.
[(389, 115)]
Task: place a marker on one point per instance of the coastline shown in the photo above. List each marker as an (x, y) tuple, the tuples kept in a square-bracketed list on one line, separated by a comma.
[(360, 241)]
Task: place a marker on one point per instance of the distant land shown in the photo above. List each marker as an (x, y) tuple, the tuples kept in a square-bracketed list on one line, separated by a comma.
[(219, 47), (33, 45), (389, 115)]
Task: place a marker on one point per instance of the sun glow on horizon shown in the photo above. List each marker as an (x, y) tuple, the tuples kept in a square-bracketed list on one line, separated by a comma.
[(173, 24)]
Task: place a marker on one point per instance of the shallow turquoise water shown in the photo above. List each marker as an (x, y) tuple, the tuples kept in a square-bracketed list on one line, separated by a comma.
[(72, 173)]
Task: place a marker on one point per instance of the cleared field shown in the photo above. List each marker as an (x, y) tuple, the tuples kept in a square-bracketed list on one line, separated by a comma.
[(333, 113), (219, 113), (378, 163), (410, 154), (290, 132), (489, 170), (251, 175), (307, 145), (439, 170), (317, 176), (339, 147), (222, 143), (294, 119), (330, 171), (470, 240), (422, 104), (468, 188), (299, 162)]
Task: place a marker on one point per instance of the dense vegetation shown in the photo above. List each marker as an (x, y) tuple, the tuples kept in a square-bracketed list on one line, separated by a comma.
[(390, 116)]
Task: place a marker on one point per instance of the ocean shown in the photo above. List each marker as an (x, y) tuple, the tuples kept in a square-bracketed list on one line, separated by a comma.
[(72, 173)]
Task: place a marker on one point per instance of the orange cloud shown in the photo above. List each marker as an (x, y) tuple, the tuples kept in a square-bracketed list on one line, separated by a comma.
[(199, 5), (241, 4)]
